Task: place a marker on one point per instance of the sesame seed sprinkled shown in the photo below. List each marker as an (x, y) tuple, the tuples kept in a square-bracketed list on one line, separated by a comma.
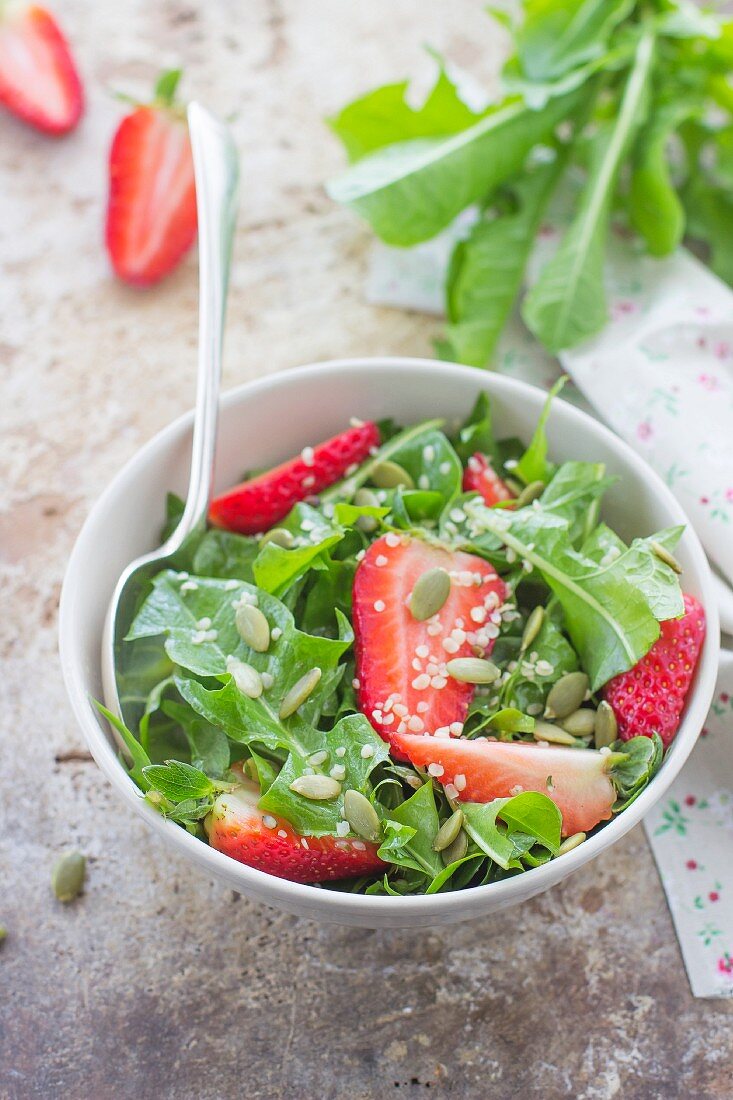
[(415, 724), (423, 482), (442, 731), (356, 422), (204, 624), (267, 680), (341, 751), (392, 539), (342, 828), (359, 845), (381, 560), (422, 707), (379, 605), (422, 651), (428, 453), (282, 833), (189, 586), (388, 719), (420, 683), (435, 770), (269, 821), (451, 791), (309, 481), (459, 782), (360, 555), (276, 633), (318, 758), (231, 585), (478, 614), (438, 682), (304, 842), (356, 683), (338, 771), (367, 752), (434, 629)]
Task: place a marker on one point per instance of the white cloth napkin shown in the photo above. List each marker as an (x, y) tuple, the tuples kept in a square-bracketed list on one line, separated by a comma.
[(661, 375)]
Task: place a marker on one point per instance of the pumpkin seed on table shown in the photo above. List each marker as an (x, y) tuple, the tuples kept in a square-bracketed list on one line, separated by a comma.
[(456, 850), (545, 731), (581, 723), (67, 877), (532, 628), (280, 536), (253, 627), (529, 493), (566, 695), (664, 555), (362, 817), (390, 475), (431, 591), (606, 731), (473, 670), (571, 842), (365, 498), (448, 831), (319, 788), (299, 692)]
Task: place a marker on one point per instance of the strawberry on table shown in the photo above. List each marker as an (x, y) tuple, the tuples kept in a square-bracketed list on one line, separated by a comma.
[(259, 503), (38, 79), (238, 829), (151, 215), (576, 780), (400, 659), (481, 477), (650, 697)]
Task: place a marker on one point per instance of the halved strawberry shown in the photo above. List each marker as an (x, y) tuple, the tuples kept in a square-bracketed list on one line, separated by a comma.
[(400, 662), (38, 78), (650, 697), (237, 828), (151, 216), (576, 780), (260, 503), (481, 477)]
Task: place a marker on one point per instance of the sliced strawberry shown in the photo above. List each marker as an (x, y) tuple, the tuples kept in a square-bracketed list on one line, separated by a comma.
[(400, 662), (151, 216), (260, 503), (237, 828), (38, 78), (576, 780), (650, 697), (481, 477)]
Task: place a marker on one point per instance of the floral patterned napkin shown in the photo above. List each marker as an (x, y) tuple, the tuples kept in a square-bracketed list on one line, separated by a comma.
[(661, 375)]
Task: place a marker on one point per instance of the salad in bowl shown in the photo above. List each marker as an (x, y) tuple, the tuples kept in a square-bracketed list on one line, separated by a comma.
[(408, 660)]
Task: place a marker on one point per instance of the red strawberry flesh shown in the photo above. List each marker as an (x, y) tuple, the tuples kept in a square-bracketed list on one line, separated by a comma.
[(400, 662), (480, 477), (238, 829), (38, 78), (481, 770), (650, 697), (151, 217), (259, 503)]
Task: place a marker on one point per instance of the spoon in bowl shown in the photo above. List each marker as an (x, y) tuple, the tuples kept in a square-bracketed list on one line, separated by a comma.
[(216, 172)]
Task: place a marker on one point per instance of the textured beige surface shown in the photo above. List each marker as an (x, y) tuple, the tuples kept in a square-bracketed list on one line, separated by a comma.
[(158, 983)]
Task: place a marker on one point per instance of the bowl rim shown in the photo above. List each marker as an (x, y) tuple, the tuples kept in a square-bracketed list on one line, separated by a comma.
[(333, 904)]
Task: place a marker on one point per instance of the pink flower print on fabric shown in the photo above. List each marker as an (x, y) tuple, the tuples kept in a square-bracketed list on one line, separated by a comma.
[(725, 964), (644, 431), (709, 382)]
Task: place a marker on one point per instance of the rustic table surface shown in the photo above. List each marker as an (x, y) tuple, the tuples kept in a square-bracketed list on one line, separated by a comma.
[(157, 982)]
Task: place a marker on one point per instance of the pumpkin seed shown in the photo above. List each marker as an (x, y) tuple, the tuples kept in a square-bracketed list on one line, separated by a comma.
[(532, 627), (390, 475), (545, 731), (606, 726), (581, 723), (529, 493), (664, 555), (448, 831), (365, 498), (456, 850), (299, 692), (571, 842), (362, 817), (67, 877), (566, 695), (280, 536), (319, 788), (473, 670), (253, 627), (431, 591), (247, 679)]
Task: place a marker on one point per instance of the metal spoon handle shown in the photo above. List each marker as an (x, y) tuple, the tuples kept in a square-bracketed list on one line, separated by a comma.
[(216, 171)]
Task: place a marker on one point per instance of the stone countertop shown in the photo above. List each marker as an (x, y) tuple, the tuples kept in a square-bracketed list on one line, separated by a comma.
[(157, 982)]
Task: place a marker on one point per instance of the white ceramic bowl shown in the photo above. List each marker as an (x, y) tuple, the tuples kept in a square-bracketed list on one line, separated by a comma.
[(266, 421)]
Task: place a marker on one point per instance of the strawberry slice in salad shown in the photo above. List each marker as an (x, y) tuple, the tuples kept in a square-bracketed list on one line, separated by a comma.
[(402, 660), (258, 504), (407, 688)]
